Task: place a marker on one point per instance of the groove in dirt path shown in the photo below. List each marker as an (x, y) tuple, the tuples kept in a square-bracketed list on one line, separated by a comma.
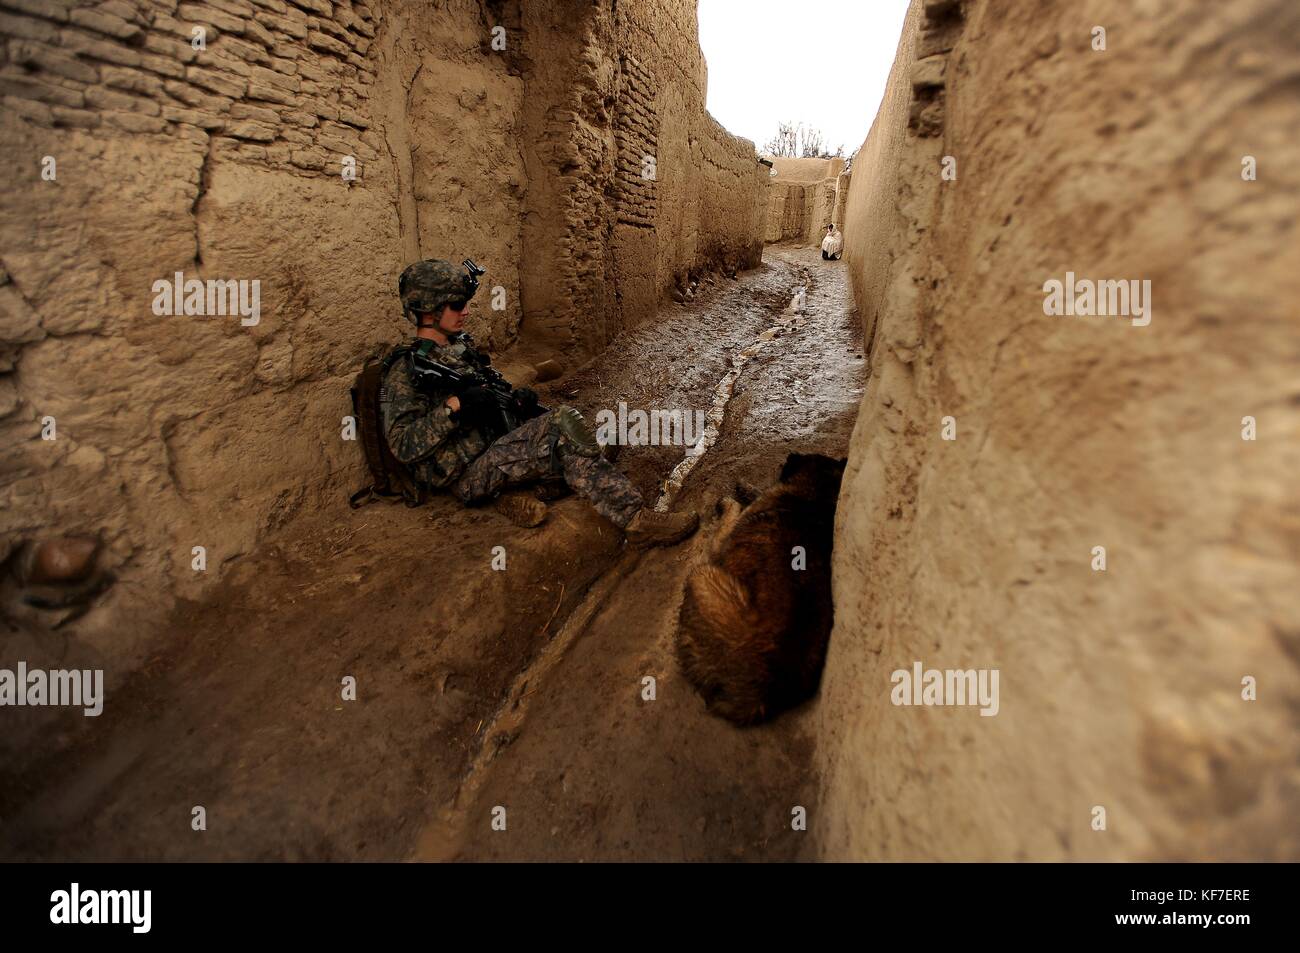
[(588, 768)]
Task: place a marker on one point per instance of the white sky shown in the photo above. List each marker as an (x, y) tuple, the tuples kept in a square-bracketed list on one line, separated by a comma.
[(820, 62)]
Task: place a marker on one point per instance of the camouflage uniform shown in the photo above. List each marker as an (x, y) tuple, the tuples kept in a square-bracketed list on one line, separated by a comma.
[(418, 425), (445, 454)]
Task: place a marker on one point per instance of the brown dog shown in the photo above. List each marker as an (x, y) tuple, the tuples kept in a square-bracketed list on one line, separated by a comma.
[(756, 617)]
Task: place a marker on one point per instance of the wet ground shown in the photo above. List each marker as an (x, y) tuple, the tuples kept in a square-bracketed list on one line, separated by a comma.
[(543, 699)]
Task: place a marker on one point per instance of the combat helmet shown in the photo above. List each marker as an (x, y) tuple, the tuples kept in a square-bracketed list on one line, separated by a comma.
[(426, 286)]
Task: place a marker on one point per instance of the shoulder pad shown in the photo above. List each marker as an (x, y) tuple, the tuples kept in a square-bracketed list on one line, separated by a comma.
[(400, 351)]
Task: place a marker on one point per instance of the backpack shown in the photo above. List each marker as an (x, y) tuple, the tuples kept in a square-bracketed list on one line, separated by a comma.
[(389, 477)]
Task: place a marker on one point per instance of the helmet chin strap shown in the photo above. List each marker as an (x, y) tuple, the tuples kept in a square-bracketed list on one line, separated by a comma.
[(435, 325), (443, 330)]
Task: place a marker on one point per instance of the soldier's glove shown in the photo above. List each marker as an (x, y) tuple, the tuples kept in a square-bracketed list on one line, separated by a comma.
[(525, 400), (477, 406)]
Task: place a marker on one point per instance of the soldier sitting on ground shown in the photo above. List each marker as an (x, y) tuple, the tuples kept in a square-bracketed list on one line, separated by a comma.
[(449, 436)]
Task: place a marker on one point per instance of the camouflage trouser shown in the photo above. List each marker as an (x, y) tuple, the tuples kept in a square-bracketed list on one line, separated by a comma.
[(539, 449)]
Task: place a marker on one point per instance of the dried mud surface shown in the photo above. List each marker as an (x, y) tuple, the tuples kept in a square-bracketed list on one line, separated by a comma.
[(475, 688)]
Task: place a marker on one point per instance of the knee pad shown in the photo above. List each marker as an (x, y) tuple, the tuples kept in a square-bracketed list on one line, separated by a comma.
[(575, 432)]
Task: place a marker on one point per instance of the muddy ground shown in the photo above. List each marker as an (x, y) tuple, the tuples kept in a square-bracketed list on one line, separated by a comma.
[(476, 689)]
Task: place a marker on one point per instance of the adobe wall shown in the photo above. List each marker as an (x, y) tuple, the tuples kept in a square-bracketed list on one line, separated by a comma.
[(226, 162), (651, 188), (1120, 689), (802, 198), (790, 169)]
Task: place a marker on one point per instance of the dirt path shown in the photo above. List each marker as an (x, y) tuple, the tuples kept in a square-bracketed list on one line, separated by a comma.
[(475, 689), (585, 766)]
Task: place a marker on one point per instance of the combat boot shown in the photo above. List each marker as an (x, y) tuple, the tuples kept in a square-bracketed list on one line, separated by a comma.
[(521, 508), (649, 528)]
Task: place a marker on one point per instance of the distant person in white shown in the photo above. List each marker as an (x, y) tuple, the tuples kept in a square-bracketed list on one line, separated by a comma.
[(832, 244)]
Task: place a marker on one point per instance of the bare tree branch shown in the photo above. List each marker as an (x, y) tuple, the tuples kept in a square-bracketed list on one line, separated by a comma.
[(796, 140)]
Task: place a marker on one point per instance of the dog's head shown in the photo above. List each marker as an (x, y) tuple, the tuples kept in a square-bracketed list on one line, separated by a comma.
[(814, 473)]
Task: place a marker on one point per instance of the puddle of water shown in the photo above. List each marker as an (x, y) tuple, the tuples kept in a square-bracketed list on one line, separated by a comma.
[(722, 393), (792, 319)]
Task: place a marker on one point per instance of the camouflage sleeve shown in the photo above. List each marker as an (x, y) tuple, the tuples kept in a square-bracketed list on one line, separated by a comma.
[(415, 424)]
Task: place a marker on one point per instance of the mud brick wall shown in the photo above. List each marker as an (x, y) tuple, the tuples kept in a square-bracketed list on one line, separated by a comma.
[(636, 134), (821, 209), (136, 155), (802, 198), (142, 154), (730, 198), (1120, 689), (787, 219), (277, 85), (651, 189), (838, 210), (708, 184)]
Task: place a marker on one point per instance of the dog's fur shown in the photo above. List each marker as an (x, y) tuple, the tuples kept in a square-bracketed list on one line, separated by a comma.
[(753, 630)]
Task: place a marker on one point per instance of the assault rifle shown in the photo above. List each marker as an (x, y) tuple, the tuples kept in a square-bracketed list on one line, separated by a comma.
[(431, 376)]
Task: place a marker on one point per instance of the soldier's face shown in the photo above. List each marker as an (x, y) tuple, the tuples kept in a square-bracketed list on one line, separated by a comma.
[(453, 321)]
